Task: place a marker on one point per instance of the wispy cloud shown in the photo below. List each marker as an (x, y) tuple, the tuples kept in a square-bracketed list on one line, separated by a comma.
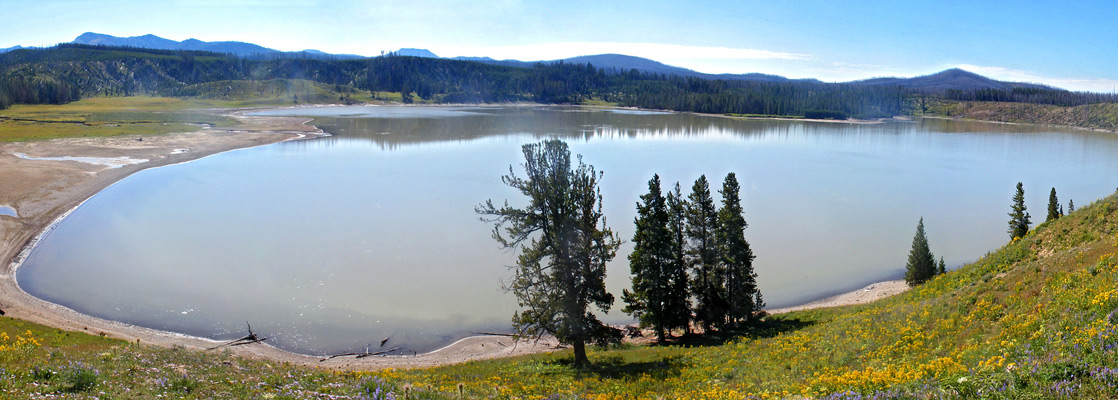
[(668, 53), (1016, 75), (245, 3)]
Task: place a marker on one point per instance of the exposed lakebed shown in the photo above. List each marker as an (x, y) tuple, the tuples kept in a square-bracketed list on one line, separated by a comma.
[(330, 244)]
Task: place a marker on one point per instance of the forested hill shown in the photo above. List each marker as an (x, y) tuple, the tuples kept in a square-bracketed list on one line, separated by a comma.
[(951, 79), (68, 72)]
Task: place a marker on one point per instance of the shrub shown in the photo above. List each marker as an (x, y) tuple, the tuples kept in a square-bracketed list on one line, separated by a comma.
[(182, 384), (79, 378)]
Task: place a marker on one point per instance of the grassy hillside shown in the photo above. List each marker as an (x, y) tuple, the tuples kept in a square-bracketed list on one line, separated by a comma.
[(1093, 116), (1034, 319)]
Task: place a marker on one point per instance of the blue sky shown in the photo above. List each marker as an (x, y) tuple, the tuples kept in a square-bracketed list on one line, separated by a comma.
[(1064, 44)]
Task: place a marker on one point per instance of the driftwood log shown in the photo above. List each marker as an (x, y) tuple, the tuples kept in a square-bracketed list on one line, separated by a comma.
[(252, 337), (361, 355)]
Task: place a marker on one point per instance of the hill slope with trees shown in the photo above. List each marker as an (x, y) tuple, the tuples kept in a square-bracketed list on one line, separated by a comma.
[(68, 72)]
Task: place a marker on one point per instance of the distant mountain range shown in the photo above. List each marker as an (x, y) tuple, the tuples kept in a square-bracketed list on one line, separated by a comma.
[(238, 48), (938, 82)]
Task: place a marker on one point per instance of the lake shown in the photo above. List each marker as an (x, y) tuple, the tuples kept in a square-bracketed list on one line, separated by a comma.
[(330, 244)]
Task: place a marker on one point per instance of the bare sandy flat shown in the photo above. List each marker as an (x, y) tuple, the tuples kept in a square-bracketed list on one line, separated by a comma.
[(864, 295)]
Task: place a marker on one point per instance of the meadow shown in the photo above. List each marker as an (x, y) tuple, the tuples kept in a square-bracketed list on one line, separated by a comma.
[(146, 115)]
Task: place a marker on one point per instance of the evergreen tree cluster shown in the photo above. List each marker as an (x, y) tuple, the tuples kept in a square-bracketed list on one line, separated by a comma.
[(763, 98), (688, 249), (685, 248), (36, 89), (1019, 218), (1032, 95)]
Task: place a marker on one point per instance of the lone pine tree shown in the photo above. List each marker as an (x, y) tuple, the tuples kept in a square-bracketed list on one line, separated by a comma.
[(1019, 218), (564, 246), (1053, 206), (921, 263)]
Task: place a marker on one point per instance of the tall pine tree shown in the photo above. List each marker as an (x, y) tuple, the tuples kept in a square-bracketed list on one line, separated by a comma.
[(921, 263), (1019, 218), (704, 257), (737, 257), (1053, 206), (679, 303), (653, 264)]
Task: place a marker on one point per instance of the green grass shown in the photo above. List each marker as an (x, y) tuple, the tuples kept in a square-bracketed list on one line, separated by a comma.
[(274, 92), (106, 116), (1032, 320), (598, 103), (144, 115), (79, 365), (764, 116)]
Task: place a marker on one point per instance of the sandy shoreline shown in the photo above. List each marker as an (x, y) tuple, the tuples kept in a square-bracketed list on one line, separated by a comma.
[(870, 293), (43, 185)]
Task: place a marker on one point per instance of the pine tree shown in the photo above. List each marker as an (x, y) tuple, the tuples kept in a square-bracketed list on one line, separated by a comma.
[(704, 257), (942, 267), (564, 247), (737, 257), (1019, 218), (921, 263), (1053, 206), (1071, 206), (653, 264), (679, 302)]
